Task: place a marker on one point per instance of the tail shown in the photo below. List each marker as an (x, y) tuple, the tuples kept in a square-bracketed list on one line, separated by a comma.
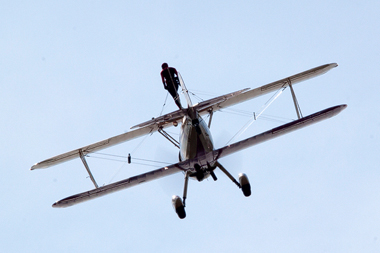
[(185, 91)]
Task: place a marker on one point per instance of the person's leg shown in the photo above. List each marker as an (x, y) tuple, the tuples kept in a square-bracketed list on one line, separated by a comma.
[(175, 96)]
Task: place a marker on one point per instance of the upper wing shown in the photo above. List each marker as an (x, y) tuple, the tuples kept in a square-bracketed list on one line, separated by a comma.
[(95, 147), (203, 108), (163, 120), (240, 96), (177, 115), (265, 89)]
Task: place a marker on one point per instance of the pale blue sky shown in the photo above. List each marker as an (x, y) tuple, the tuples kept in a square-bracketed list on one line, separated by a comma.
[(76, 73)]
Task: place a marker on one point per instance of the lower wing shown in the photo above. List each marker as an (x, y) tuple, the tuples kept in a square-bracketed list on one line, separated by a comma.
[(278, 131), (120, 185)]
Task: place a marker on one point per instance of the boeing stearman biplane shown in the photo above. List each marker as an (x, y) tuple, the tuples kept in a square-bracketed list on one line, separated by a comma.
[(198, 156)]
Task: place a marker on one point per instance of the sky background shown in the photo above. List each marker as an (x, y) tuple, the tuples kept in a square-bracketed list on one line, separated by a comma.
[(74, 73)]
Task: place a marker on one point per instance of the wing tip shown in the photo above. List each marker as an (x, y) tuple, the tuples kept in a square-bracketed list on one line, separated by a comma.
[(38, 166)]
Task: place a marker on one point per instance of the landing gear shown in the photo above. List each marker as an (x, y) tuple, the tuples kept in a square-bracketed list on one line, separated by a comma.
[(177, 203), (199, 173), (243, 183), (179, 207)]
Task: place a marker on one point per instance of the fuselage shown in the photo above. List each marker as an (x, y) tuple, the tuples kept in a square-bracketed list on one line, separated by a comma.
[(196, 141)]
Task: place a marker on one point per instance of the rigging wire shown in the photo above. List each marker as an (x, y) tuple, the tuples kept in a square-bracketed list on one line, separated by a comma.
[(254, 117), (273, 119), (245, 113), (141, 142), (239, 112), (116, 172), (122, 157), (196, 96), (163, 106), (210, 94), (133, 151), (125, 162)]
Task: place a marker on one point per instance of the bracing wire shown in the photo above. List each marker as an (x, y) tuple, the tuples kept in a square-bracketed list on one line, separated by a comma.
[(255, 117), (116, 172), (141, 142), (122, 158), (196, 96), (239, 112), (125, 162), (209, 94), (163, 106), (245, 113)]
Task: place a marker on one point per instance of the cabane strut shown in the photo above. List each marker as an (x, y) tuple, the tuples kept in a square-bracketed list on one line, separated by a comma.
[(168, 137)]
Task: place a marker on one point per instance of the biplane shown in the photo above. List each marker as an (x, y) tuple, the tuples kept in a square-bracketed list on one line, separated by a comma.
[(198, 157)]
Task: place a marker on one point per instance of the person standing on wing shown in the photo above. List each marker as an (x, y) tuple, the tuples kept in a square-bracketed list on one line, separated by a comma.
[(170, 80)]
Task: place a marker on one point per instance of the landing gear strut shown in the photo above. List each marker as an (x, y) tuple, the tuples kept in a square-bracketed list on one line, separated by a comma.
[(179, 207), (243, 183), (178, 204)]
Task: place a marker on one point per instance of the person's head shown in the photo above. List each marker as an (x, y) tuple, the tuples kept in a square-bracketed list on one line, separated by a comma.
[(164, 65)]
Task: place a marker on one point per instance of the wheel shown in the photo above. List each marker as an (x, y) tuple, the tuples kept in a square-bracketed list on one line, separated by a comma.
[(181, 212), (179, 207), (245, 185), (246, 190)]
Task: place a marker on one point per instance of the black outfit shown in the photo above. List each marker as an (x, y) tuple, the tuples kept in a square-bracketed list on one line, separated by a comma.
[(170, 80)]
